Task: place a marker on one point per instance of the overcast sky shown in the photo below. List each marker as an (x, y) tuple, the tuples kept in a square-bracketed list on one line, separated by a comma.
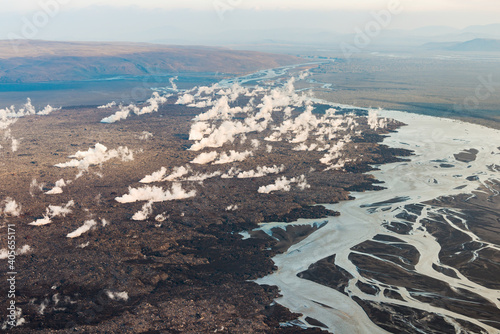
[(196, 21)]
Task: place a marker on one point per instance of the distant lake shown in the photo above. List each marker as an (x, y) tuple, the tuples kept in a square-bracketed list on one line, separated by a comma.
[(99, 91)]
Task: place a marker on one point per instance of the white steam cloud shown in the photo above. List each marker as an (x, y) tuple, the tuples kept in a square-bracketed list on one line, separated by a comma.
[(374, 122), (123, 296), (152, 105), (155, 194), (172, 82), (155, 177), (123, 113), (223, 158), (335, 154), (145, 135), (261, 171), (224, 128), (177, 173), (96, 156), (54, 211), (26, 110), (4, 253), (283, 184), (10, 208), (232, 207), (47, 110), (231, 173), (146, 211), (233, 156), (205, 158), (58, 188), (87, 226), (106, 106), (161, 217), (185, 99), (9, 116)]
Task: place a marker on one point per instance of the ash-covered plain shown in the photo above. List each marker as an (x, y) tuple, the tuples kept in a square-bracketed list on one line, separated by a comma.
[(128, 217)]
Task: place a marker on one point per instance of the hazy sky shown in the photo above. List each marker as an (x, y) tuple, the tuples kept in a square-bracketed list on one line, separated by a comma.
[(225, 21), (485, 6)]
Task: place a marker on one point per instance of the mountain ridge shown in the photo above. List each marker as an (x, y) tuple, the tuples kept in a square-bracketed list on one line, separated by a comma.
[(476, 45)]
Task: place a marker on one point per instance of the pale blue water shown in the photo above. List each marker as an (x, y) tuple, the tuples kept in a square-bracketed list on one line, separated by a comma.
[(95, 92)]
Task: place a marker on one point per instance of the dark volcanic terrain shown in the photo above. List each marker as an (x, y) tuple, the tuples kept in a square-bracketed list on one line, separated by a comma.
[(91, 261)]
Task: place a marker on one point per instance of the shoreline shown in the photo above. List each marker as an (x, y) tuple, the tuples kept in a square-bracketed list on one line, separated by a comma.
[(320, 237)]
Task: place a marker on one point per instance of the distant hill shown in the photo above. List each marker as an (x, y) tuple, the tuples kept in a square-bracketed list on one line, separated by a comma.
[(29, 61), (477, 45)]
